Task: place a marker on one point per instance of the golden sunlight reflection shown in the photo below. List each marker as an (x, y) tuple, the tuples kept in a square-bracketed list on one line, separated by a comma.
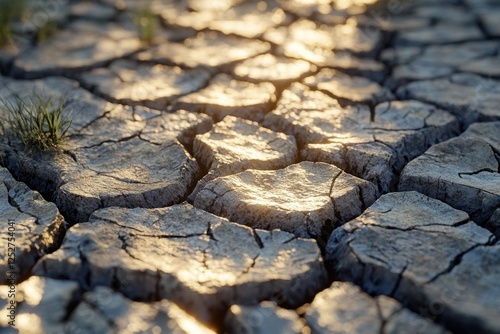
[(137, 323), (345, 4), (33, 294), (218, 42), (185, 321), (29, 323), (311, 2), (327, 6), (212, 5)]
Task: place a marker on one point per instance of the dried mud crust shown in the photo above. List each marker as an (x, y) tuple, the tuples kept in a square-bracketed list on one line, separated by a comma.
[(260, 166), (31, 227), (425, 254), (143, 163), (188, 256)]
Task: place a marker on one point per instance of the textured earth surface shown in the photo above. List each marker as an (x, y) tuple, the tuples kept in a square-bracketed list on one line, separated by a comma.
[(281, 166)]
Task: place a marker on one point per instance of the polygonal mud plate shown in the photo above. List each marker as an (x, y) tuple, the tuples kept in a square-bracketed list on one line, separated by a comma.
[(266, 317), (325, 57), (480, 105), (81, 45), (437, 61), (345, 37), (205, 49), (345, 308), (249, 19), (374, 149), (46, 305), (425, 254), (341, 308), (463, 172), (155, 86), (348, 89), (234, 145), (307, 199), (442, 33), (189, 257), (96, 168), (226, 96), (278, 70), (30, 227)]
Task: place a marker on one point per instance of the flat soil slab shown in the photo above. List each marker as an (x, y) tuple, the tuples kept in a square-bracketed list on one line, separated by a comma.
[(155, 86), (143, 163), (80, 46), (189, 257), (348, 89), (342, 308), (425, 254), (205, 49), (31, 227), (482, 96), (374, 146), (307, 199), (463, 172), (268, 68), (60, 306), (234, 145), (227, 96)]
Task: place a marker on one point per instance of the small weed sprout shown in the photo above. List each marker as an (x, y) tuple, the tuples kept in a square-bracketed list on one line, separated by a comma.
[(10, 11), (38, 122), (4, 30), (47, 30), (146, 23)]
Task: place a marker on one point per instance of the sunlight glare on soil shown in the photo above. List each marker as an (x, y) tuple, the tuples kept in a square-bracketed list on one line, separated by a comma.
[(344, 4), (29, 323), (33, 294), (185, 321)]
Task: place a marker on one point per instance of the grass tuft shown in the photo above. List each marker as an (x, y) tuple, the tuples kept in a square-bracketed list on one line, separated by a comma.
[(38, 122), (10, 11), (47, 30), (146, 23)]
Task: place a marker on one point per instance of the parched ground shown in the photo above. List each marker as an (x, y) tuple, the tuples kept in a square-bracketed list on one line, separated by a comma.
[(282, 166)]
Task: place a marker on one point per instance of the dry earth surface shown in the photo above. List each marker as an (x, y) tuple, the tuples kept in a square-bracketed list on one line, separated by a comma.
[(281, 166)]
